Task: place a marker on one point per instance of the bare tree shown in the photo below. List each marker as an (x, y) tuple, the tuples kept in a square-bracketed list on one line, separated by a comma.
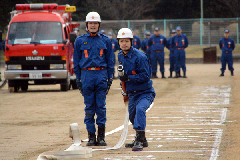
[(233, 5), (121, 9)]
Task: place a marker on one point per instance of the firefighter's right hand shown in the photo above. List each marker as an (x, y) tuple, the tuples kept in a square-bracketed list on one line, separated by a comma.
[(79, 85)]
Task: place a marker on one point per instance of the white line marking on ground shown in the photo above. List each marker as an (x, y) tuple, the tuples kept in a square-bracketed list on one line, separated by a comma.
[(216, 145)]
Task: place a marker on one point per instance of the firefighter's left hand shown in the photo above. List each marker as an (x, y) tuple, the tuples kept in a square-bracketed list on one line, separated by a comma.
[(79, 85), (109, 83), (124, 77)]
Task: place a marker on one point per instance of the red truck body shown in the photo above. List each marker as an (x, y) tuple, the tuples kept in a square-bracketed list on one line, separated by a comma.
[(38, 47)]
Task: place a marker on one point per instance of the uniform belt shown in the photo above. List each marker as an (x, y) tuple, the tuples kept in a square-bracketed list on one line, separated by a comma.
[(94, 68), (172, 51), (132, 92), (227, 52), (179, 48), (158, 51)]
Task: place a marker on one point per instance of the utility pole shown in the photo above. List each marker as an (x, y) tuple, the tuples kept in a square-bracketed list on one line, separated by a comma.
[(201, 23)]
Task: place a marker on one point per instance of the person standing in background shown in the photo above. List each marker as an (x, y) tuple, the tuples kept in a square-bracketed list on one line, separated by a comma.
[(115, 47), (179, 43), (144, 45), (156, 44), (227, 45), (136, 40), (171, 54)]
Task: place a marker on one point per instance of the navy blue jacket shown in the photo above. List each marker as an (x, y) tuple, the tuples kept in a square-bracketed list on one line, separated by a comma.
[(137, 66), (93, 51), (136, 42), (226, 44), (157, 43), (115, 45), (179, 41), (171, 49), (144, 45)]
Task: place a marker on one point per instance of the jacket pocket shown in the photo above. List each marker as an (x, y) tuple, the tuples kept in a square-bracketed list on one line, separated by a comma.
[(101, 49), (85, 49)]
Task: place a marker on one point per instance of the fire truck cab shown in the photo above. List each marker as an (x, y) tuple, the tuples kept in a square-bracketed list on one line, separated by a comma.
[(38, 49)]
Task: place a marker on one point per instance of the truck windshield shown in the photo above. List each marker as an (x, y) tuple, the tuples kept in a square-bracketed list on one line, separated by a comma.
[(35, 33)]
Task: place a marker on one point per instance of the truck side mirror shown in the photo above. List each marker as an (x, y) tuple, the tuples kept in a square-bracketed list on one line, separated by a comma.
[(0, 36), (64, 41), (72, 37)]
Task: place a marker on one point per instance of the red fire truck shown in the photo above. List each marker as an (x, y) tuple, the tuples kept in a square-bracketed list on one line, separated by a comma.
[(39, 46)]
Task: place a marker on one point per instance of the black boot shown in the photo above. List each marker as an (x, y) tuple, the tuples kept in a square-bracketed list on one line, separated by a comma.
[(138, 144), (177, 75), (130, 145), (101, 137), (91, 139), (184, 75), (163, 75), (232, 74), (154, 75), (222, 74), (170, 74)]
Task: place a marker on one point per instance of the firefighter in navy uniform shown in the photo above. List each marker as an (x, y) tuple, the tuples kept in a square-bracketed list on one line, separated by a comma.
[(115, 47), (227, 45), (137, 74), (136, 40), (93, 60), (179, 43), (144, 45), (171, 55), (156, 44)]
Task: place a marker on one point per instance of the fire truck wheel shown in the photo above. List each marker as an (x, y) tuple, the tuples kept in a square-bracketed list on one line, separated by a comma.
[(13, 86), (24, 87), (16, 88), (65, 85), (74, 84)]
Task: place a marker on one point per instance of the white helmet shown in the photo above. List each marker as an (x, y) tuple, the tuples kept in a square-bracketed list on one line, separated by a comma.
[(93, 17), (125, 33)]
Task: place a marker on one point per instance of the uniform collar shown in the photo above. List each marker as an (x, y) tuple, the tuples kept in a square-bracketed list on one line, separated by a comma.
[(129, 54), (90, 35)]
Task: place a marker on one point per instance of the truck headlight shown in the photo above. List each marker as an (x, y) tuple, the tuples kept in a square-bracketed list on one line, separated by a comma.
[(56, 66), (14, 66)]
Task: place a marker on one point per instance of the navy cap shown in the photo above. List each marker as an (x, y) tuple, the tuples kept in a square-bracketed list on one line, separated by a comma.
[(110, 33), (147, 32), (102, 31), (157, 29), (226, 31), (173, 31), (132, 29), (178, 28)]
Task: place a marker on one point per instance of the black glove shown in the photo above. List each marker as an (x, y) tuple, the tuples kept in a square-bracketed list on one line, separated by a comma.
[(109, 83), (79, 85), (124, 77)]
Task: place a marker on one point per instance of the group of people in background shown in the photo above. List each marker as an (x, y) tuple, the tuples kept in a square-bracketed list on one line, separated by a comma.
[(153, 46)]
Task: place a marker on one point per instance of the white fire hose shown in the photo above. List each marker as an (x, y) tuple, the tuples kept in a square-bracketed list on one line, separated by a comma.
[(76, 151)]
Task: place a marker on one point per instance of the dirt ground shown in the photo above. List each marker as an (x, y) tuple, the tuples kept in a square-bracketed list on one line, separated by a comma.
[(193, 118)]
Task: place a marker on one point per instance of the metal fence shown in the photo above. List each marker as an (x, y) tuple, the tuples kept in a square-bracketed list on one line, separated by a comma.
[(198, 31)]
